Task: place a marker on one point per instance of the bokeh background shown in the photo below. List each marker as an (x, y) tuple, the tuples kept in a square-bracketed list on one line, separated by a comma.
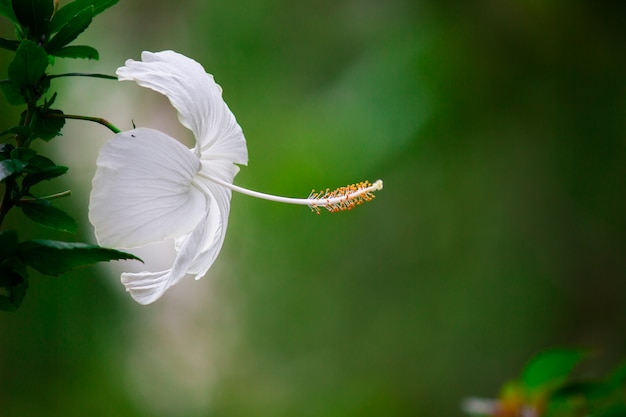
[(499, 128)]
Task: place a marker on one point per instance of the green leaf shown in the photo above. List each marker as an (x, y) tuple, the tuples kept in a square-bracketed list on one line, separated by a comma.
[(11, 45), (7, 168), (46, 127), (14, 280), (71, 30), (6, 9), (15, 283), (24, 131), (550, 368), (12, 273), (5, 150), (67, 12), (8, 243), (78, 51), (23, 154), (38, 163), (34, 14), (43, 174), (49, 216), (53, 257), (28, 65), (13, 94)]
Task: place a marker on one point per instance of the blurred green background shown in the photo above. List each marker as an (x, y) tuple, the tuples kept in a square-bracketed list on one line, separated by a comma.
[(499, 129)]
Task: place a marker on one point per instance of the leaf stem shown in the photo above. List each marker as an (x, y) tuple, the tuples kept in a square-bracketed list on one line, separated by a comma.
[(65, 193), (82, 74), (98, 120)]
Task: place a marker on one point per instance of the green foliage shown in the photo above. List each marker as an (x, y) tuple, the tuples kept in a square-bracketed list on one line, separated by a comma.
[(13, 276), (33, 16), (42, 35), (6, 9), (9, 167), (69, 11), (78, 51), (39, 174), (42, 213), (70, 30), (53, 258), (29, 65), (9, 44), (546, 388), (36, 21), (550, 369)]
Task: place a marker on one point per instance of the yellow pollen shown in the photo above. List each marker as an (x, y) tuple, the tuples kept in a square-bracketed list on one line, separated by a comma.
[(344, 198)]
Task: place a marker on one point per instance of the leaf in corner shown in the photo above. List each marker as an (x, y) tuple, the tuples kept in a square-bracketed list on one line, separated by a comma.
[(34, 14), (550, 368), (67, 12), (52, 257), (6, 9)]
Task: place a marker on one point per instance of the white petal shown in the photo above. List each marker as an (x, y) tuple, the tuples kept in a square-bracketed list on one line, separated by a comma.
[(147, 287), (197, 98), (142, 191), (217, 222)]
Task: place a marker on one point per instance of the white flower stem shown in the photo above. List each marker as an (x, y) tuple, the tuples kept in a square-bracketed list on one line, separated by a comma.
[(343, 198)]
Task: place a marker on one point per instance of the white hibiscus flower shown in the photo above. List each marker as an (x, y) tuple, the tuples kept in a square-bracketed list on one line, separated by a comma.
[(148, 187)]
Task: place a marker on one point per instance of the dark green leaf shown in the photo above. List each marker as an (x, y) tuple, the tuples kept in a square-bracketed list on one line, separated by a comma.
[(54, 257), (18, 130), (38, 163), (13, 279), (71, 30), (5, 150), (28, 65), (44, 174), (11, 45), (42, 86), (67, 12), (48, 216), (6, 9), (8, 244), (550, 368), (12, 273), (13, 93), (10, 166), (34, 14), (78, 51), (46, 126), (23, 154), (7, 168), (49, 101), (587, 390)]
